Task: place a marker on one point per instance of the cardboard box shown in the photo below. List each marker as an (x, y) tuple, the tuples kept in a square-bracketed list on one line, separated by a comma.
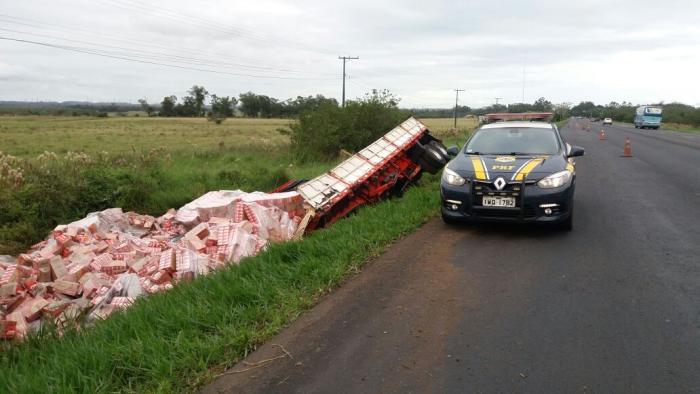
[(8, 289), (116, 267), (34, 309), (58, 268), (8, 329), (65, 287), (200, 231), (161, 277), (167, 260)]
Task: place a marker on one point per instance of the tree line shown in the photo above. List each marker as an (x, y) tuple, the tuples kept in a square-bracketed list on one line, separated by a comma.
[(220, 107), (620, 112), (625, 111)]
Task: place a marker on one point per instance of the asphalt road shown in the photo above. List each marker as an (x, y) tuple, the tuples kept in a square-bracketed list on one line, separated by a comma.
[(611, 307)]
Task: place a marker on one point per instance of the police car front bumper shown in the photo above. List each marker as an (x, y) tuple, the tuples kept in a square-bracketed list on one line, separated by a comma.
[(532, 203)]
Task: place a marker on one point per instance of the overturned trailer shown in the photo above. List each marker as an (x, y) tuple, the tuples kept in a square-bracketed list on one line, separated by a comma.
[(382, 169)]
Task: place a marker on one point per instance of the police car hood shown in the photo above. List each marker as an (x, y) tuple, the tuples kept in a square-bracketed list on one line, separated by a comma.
[(511, 168)]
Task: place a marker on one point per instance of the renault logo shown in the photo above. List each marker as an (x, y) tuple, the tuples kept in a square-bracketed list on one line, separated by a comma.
[(500, 183)]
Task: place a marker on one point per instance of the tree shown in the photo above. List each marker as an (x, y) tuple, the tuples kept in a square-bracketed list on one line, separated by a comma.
[(146, 107), (562, 111), (221, 108), (193, 103), (321, 132), (250, 105), (223, 105), (542, 105), (300, 104), (258, 105), (167, 107)]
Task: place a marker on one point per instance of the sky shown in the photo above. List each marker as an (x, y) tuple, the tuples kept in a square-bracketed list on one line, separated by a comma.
[(123, 50)]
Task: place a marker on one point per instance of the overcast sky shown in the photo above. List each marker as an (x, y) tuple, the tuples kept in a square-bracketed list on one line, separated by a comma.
[(634, 50)]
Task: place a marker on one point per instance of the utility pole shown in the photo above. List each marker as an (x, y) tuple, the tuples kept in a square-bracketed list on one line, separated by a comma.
[(456, 101), (497, 98), (345, 59)]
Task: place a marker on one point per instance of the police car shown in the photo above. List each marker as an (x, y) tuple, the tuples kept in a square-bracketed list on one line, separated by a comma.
[(511, 171)]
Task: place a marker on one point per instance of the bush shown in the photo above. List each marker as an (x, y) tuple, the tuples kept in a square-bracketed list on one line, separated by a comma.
[(321, 133)]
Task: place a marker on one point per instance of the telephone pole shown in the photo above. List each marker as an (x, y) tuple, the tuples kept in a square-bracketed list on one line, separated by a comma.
[(497, 98), (345, 59), (456, 101)]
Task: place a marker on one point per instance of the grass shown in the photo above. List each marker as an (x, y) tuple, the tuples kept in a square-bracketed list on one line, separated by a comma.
[(29, 136), (680, 127), (182, 339), (562, 123), (444, 127)]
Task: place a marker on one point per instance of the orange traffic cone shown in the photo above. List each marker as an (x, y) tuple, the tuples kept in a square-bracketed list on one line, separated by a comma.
[(602, 136), (627, 152)]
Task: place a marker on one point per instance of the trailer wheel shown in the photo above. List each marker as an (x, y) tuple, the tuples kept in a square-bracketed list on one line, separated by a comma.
[(416, 152), (432, 161), (440, 148)]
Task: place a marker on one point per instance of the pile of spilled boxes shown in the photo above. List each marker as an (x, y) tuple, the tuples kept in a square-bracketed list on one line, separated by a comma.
[(88, 269)]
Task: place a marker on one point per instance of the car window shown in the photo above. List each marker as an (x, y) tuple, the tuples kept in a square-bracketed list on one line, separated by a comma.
[(536, 141)]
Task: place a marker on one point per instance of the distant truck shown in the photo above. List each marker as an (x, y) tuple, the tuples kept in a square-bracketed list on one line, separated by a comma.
[(647, 116)]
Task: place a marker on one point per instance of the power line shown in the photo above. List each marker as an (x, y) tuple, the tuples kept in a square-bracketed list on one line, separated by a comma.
[(209, 24), (159, 56), (345, 59), (196, 57), (131, 59)]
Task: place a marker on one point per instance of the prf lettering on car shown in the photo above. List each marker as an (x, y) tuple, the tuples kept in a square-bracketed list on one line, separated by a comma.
[(498, 167)]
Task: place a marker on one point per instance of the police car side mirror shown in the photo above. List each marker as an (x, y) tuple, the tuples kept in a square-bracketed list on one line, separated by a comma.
[(576, 151), (453, 151)]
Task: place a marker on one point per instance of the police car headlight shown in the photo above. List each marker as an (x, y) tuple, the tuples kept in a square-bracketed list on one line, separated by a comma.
[(555, 180), (452, 177)]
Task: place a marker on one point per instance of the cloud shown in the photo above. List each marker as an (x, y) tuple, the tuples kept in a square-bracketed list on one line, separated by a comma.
[(594, 50)]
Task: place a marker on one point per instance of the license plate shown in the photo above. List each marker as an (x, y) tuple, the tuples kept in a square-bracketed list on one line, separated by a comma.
[(507, 202)]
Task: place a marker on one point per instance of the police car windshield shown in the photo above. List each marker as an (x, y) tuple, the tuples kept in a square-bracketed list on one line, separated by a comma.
[(514, 140)]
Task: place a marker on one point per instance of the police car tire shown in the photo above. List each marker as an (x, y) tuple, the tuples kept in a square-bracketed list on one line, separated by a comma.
[(440, 148)]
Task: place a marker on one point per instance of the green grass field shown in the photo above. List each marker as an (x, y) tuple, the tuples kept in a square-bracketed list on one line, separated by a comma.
[(29, 136)]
